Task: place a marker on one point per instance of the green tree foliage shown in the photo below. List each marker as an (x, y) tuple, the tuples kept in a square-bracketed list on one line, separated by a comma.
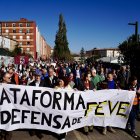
[(130, 49), (5, 52), (82, 55), (61, 49), (16, 51)]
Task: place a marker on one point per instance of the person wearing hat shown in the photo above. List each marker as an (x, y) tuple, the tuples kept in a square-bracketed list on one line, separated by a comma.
[(38, 83)]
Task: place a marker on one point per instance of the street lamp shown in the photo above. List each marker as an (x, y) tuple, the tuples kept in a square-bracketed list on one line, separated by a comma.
[(136, 29)]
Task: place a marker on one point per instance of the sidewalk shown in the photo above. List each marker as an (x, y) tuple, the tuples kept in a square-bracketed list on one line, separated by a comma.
[(77, 135)]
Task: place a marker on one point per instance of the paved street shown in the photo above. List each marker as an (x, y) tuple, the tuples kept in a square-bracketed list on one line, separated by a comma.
[(78, 135)]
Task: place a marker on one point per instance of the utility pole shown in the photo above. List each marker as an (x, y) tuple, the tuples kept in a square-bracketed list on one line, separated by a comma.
[(136, 30)]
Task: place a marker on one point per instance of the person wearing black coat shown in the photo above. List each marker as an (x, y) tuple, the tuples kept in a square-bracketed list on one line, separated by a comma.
[(38, 83), (41, 84), (51, 81)]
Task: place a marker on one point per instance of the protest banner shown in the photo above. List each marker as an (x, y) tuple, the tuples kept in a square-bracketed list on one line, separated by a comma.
[(59, 111)]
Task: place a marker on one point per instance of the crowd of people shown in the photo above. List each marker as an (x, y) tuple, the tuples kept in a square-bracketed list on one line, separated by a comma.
[(74, 76)]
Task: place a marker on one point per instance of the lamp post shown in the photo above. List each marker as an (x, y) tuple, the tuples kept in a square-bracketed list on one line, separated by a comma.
[(136, 29)]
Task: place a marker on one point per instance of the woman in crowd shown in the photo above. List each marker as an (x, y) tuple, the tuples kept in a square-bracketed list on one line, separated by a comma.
[(62, 84), (87, 85)]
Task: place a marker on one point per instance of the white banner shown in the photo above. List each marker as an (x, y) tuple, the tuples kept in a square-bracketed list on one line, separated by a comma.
[(61, 111)]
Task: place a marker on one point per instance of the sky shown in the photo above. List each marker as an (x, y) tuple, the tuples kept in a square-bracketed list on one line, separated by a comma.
[(90, 23)]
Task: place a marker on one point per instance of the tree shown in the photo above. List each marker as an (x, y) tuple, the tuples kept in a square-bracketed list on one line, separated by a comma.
[(17, 51), (130, 49), (82, 55), (61, 49)]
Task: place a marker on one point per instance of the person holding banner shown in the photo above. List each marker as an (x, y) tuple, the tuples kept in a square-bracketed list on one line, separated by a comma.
[(110, 85), (95, 79), (133, 86), (62, 84), (71, 81), (38, 83), (6, 135), (51, 80), (87, 85)]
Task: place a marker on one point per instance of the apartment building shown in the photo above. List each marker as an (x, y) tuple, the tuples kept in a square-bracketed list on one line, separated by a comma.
[(104, 52), (26, 33)]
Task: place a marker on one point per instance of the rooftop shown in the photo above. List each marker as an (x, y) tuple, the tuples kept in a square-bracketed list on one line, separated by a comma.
[(101, 49)]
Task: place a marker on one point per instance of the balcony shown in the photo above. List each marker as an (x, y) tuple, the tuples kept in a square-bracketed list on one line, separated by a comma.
[(11, 27), (27, 46), (24, 40)]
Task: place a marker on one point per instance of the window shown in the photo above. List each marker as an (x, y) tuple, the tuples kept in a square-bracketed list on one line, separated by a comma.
[(28, 31), (14, 24), (6, 31), (20, 44), (6, 24), (28, 49), (20, 30), (28, 43), (14, 37), (28, 24), (20, 37), (14, 30), (28, 37), (20, 24)]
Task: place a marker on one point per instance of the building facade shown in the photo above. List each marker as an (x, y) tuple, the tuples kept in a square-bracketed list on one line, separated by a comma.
[(43, 49), (104, 52), (25, 32), (7, 43)]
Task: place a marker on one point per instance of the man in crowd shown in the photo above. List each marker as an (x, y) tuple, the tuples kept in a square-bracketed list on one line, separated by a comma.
[(6, 135), (131, 125), (44, 73), (122, 78), (51, 80), (96, 79), (110, 85), (38, 83)]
